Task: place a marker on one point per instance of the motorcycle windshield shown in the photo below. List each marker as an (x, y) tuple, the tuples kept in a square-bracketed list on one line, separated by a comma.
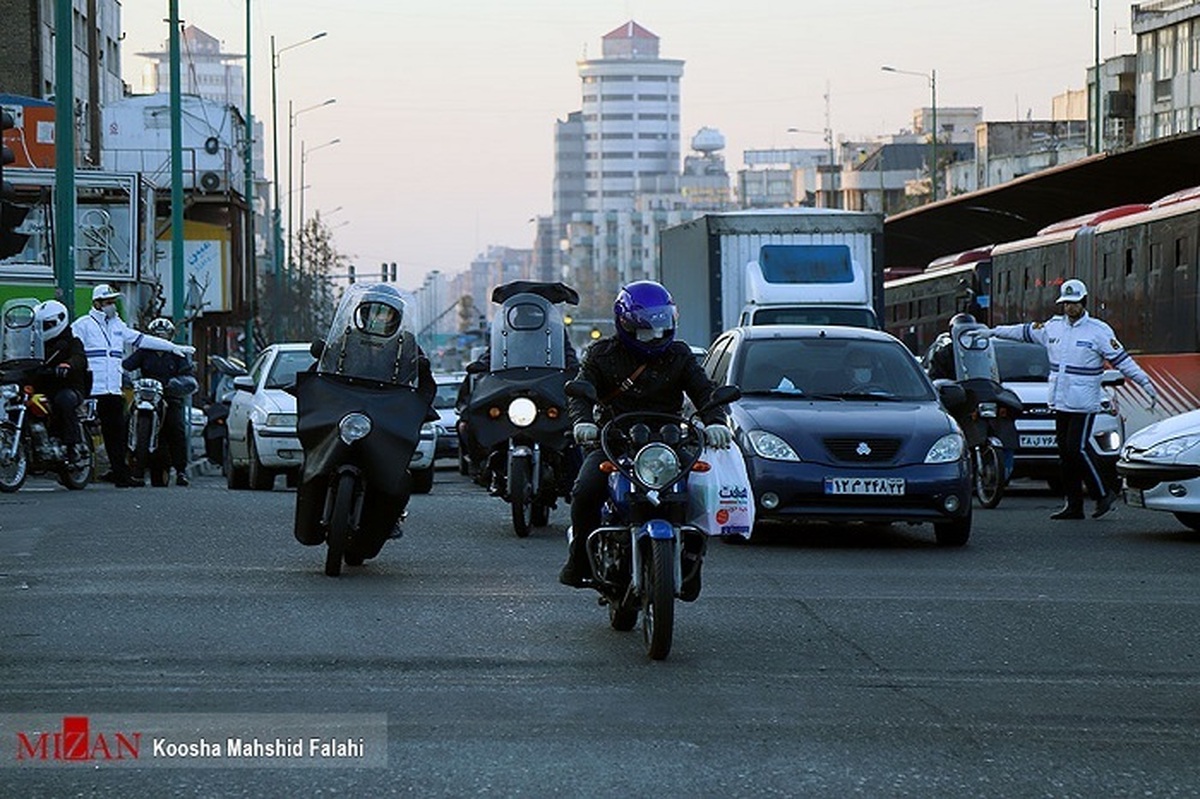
[(527, 331), (371, 337), (18, 339), (974, 358), (395, 414), (488, 413)]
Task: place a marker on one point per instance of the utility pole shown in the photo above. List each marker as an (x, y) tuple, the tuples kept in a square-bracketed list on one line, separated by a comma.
[(64, 153)]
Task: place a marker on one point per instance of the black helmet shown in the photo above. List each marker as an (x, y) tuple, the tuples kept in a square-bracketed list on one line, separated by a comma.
[(962, 319)]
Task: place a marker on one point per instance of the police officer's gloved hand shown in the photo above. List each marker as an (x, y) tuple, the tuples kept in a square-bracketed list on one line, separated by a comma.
[(718, 436), (1153, 394), (183, 350), (586, 433), (981, 333)]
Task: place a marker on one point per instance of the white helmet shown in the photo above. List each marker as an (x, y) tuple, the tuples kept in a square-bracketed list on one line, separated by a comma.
[(161, 327), (1072, 290), (50, 318), (104, 292)]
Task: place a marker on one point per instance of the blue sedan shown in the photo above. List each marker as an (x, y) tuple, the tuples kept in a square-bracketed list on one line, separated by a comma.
[(840, 424)]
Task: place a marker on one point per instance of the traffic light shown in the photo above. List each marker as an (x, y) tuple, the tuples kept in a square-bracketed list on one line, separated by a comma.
[(11, 215), (352, 276)]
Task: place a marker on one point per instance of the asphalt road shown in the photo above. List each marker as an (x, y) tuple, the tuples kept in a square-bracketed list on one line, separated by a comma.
[(1043, 659)]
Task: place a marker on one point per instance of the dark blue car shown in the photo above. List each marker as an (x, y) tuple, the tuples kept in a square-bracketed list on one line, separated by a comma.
[(841, 424)]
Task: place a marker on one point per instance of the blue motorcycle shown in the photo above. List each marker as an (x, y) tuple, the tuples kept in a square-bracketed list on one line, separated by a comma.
[(637, 553)]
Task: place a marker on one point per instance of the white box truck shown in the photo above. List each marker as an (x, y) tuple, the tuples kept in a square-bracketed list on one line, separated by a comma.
[(776, 266)]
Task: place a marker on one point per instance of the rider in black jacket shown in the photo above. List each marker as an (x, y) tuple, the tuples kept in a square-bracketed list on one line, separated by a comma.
[(177, 375), (64, 375), (642, 368)]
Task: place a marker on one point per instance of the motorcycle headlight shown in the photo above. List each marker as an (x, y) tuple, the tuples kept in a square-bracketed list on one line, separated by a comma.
[(770, 446), (353, 427), (10, 391), (946, 449), (289, 420), (522, 411), (656, 465)]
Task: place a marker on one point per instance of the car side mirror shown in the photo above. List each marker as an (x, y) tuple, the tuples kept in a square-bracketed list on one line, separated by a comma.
[(244, 383), (1112, 377), (317, 348), (722, 396)]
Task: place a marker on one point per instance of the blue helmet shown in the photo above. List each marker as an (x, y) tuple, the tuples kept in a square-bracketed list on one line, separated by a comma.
[(645, 317)]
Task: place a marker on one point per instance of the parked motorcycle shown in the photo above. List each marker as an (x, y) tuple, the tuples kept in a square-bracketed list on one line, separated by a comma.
[(30, 442), (216, 412), (637, 552), (359, 417), (987, 415), (517, 409)]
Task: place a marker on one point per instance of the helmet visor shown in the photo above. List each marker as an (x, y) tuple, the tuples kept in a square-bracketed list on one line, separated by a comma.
[(649, 324), (377, 319)]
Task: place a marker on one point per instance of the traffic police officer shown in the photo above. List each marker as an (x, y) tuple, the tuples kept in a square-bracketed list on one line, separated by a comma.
[(104, 336), (1078, 345)]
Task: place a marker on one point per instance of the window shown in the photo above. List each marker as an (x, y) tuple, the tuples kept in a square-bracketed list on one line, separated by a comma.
[(1128, 261), (1164, 65)]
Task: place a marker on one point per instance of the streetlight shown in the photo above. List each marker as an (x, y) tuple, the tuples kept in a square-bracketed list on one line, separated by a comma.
[(304, 154), (291, 130), (931, 76), (277, 214)]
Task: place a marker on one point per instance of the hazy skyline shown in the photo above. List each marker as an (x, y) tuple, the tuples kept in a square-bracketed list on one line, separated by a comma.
[(446, 111)]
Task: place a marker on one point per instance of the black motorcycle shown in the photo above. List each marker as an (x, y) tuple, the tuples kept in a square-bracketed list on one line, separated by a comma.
[(359, 418), (216, 412), (30, 442), (517, 412)]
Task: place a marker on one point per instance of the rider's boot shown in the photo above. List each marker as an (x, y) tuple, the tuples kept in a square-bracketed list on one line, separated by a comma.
[(577, 570)]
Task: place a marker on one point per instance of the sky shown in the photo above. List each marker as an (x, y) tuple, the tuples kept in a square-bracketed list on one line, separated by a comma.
[(446, 108)]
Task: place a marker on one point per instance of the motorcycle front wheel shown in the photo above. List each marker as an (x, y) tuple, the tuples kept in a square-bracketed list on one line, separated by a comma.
[(339, 525), (12, 472), (520, 497), (658, 598), (77, 475), (989, 476)]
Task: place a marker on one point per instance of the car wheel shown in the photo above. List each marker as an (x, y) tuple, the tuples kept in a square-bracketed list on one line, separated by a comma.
[(261, 478), (953, 533), (422, 481), (1192, 520), (236, 478)]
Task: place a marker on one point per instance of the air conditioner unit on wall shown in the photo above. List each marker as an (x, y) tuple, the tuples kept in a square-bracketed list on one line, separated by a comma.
[(212, 181)]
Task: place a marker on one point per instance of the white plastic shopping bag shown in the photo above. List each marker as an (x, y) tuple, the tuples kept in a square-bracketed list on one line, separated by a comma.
[(720, 501)]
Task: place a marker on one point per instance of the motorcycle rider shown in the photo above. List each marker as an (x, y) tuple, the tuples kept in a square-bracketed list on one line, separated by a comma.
[(178, 377), (941, 360), (104, 335), (641, 368), (64, 375), (1078, 344)]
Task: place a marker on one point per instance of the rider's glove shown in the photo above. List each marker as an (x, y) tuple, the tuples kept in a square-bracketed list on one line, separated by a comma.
[(718, 436), (586, 433), (1153, 394), (183, 350)]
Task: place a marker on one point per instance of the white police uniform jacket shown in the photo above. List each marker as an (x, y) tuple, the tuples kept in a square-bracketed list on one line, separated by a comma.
[(1077, 354), (104, 343)]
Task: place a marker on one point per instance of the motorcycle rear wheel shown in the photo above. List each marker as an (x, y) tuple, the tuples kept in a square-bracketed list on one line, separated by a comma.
[(339, 525), (989, 476), (77, 477), (12, 474), (520, 497), (658, 598)]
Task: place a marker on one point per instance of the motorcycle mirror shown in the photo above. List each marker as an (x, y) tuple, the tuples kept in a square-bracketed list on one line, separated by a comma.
[(581, 389), (317, 348), (244, 383), (1112, 377), (476, 367), (722, 396), (951, 394)]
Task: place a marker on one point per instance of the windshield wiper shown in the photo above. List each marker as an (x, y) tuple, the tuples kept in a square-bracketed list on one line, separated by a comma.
[(861, 395)]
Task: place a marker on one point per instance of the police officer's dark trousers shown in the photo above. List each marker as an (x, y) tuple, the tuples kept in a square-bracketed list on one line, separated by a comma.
[(110, 409), (1077, 461)]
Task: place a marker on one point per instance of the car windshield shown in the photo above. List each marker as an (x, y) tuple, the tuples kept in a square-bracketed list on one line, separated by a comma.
[(831, 368), (1021, 362), (447, 395), (287, 364)]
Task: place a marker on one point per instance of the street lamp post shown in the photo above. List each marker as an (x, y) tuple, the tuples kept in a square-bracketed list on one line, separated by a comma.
[(931, 76), (277, 213), (304, 154), (291, 131)]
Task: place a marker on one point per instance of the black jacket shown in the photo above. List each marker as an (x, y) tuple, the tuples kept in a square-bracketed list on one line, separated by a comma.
[(941, 360), (660, 388), (160, 366), (65, 348)]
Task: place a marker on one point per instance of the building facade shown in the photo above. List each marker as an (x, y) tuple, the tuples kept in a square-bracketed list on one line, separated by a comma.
[(1168, 68)]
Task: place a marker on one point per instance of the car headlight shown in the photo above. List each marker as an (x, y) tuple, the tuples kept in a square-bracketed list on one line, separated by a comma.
[(522, 411), (1171, 448), (353, 427), (289, 420), (770, 446), (946, 449), (656, 465)]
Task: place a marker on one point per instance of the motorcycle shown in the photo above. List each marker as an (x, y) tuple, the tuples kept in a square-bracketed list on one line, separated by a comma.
[(637, 552), (987, 415), (145, 423), (359, 417), (216, 413), (517, 407), (29, 440)]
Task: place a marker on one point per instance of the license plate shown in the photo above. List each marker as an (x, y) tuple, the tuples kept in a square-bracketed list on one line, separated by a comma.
[(1134, 498), (868, 486), (1043, 441)]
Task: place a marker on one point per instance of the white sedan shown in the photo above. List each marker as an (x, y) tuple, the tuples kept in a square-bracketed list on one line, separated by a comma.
[(262, 425), (1160, 467)]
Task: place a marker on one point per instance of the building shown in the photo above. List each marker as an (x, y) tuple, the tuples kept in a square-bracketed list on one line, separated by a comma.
[(27, 61), (1167, 83), (204, 70)]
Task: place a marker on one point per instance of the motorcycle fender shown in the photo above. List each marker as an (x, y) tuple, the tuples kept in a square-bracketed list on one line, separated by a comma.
[(653, 529), (516, 451)]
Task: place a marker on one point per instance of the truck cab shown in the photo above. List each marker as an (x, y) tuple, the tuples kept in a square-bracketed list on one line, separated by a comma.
[(807, 284)]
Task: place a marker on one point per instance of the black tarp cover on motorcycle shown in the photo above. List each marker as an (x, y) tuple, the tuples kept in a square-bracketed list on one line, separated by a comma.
[(978, 372), (368, 365)]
